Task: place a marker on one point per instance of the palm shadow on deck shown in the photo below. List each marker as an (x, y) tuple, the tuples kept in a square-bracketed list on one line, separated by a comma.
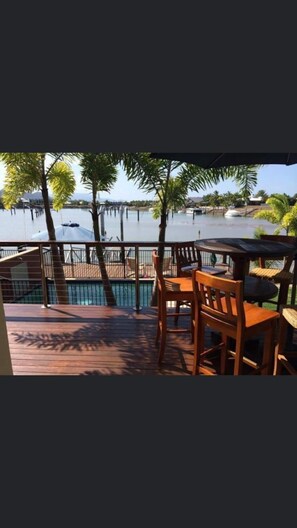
[(96, 340), (91, 340)]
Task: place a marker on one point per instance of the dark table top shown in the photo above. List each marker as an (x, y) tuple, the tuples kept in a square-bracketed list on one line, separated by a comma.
[(250, 248), (242, 250), (258, 290)]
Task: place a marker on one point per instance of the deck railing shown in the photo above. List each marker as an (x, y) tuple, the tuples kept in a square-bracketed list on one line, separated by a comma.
[(27, 271)]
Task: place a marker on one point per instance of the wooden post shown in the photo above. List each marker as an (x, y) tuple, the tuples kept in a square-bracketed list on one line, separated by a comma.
[(5, 359), (137, 215), (122, 234), (88, 260), (137, 307)]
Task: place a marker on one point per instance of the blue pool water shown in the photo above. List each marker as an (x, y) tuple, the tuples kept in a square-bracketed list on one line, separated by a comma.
[(92, 293)]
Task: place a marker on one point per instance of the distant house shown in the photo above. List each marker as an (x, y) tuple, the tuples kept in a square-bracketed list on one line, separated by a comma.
[(253, 200), (24, 202), (193, 201)]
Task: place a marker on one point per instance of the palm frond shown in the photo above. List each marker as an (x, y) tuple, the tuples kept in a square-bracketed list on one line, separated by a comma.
[(62, 182)]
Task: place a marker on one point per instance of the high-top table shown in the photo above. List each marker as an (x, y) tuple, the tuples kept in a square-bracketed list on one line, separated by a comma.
[(242, 251)]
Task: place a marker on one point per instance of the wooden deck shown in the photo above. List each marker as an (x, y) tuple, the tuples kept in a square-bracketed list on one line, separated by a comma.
[(96, 340), (91, 340), (92, 271)]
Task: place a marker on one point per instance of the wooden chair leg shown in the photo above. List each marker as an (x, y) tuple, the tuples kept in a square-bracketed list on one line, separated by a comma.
[(195, 357), (283, 294), (199, 332), (192, 321), (159, 319), (280, 347), (268, 350), (239, 352), (224, 355), (163, 330)]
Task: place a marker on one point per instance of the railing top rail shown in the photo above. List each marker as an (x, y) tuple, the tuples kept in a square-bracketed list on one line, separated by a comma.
[(84, 243)]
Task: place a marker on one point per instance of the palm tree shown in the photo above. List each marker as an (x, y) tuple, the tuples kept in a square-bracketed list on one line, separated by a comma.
[(99, 173), (227, 199), (215, 200), (28, 172), (169, 180), (176, 195), (281, 213), (164, 178), (246, 179)]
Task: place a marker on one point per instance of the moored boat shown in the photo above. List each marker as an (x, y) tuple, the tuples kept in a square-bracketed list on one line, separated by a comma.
[(232, 212)]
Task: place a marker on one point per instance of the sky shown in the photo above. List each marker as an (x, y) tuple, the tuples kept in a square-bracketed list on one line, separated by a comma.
[(271, 178)]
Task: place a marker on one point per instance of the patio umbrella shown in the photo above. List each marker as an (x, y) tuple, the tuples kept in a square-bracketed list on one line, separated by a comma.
[(67, 232), (212, 160)]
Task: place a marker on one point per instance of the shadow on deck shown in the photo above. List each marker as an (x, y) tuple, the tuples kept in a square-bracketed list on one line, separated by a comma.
[(97, 341), (91, 340)]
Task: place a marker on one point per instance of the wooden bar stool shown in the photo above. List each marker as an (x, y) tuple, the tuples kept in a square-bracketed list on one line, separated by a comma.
[(174, 289), (219, 305), (188, 258), (282, 276)]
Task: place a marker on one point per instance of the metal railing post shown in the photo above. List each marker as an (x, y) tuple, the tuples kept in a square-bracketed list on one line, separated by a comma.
[(43, 278)]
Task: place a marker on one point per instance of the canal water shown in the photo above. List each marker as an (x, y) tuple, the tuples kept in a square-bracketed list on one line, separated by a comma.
[(137, 227)]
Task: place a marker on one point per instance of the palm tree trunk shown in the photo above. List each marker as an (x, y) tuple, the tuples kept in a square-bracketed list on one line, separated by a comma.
[(109, 295), (58, 271), (162, 232)]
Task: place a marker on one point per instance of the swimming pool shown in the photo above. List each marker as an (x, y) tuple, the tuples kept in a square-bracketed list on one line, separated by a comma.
[(91, 293)]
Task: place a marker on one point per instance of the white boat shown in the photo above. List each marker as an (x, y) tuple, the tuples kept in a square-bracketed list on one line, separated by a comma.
[(232, 212)]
